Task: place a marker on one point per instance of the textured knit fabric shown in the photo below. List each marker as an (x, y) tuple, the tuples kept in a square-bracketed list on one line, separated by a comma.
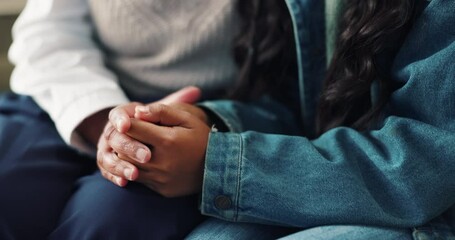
[(158, 46), (151, 48)]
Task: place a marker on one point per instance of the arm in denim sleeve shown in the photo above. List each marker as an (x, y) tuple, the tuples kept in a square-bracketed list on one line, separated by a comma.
[(264, 115), (401, 174)]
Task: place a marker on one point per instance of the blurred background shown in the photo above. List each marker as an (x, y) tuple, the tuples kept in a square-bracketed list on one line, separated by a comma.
[(9, 9)]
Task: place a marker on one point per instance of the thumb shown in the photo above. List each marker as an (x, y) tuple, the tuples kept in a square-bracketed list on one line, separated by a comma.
[(185, 95), (164, 115)]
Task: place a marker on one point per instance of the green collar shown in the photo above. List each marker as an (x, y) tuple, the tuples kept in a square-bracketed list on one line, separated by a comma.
[(333, 10)]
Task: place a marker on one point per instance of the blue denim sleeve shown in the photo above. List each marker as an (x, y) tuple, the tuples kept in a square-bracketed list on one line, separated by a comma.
[(264, 115), (400, 175)]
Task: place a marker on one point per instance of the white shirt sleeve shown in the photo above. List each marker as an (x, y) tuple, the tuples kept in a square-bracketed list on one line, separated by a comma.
[(59, 64)]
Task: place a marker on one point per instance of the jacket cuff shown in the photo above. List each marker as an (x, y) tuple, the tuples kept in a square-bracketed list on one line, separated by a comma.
[(222, 175), (224, 114)]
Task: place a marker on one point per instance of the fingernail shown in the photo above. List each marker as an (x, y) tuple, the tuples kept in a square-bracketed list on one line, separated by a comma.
[(142, 109), (128, 172), (141, 155), (118, 123), (119, 181)]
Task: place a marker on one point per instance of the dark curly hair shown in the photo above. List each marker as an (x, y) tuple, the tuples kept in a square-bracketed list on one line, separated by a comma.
[(366, 28), (266, 56), (264, 50)]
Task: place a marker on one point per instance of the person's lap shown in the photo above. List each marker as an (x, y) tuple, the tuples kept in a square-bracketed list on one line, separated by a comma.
[(223, 230), (351, 232), (38, 176), (213, 228), (37, 169), (101, 210), (440, 227)]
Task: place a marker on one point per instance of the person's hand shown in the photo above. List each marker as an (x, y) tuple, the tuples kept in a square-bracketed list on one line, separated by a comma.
[(114, 142), (120, 116), (109, 164), (179, 141), (142, 112)]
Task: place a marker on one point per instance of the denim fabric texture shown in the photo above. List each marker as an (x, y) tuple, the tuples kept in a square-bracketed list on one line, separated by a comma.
[(440, 228), (343, 232), (399, 174), (218, 229)]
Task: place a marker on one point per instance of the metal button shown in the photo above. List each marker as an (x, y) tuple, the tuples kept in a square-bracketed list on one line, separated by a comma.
[(223, 202)]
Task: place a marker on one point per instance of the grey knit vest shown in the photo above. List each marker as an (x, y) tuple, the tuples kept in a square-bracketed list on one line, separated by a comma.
[(158, 46)]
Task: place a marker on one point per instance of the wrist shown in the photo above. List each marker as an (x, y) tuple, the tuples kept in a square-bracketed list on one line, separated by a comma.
[(90, 128)]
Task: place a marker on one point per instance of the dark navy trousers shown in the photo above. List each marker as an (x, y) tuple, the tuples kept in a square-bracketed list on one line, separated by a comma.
[(51, 191)]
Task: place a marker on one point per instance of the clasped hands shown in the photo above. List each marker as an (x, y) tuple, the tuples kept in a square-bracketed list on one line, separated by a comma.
[(161, 145)]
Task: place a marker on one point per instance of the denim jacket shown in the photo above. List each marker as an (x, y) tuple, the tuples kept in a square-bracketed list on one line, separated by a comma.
[(402, 173)]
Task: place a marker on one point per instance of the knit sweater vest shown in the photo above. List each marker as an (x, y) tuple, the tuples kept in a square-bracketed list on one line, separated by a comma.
[(158, 46)]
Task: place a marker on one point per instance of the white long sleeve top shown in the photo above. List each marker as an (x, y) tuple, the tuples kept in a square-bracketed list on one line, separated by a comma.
[(70, 76)]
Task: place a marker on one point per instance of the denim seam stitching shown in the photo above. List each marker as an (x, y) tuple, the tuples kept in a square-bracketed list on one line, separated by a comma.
[(236, 211)]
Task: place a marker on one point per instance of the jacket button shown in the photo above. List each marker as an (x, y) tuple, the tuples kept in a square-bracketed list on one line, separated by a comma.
[(223, 202)]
